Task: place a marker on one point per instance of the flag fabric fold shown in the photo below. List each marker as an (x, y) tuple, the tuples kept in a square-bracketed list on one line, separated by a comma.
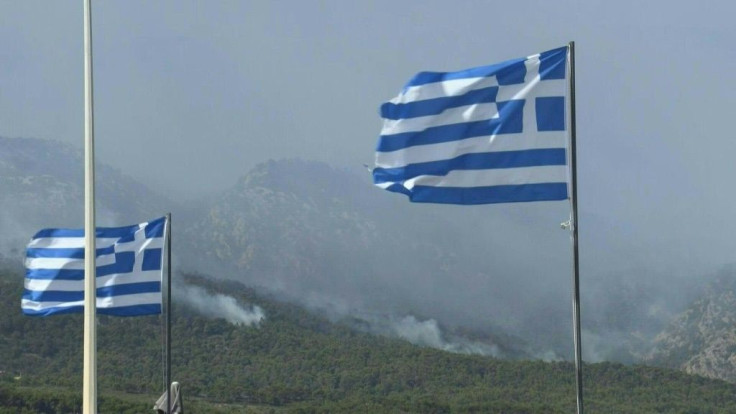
[(129, 270), (491, 134)]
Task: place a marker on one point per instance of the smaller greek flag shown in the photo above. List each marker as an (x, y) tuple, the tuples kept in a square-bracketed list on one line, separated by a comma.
[(129, 270), (491, 134)]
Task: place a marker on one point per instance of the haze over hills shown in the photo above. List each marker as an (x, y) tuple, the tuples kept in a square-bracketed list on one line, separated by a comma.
[(319, 236), (41, 183), (300, 229), (327, 239), (702, 339)]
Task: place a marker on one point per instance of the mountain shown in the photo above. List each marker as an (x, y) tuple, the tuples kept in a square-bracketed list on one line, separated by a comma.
[(309, 232), (348, 277), (327, 239), (42, 183), (320, 236), (305, 228), (702, 340), (472, 280), (291, 221)]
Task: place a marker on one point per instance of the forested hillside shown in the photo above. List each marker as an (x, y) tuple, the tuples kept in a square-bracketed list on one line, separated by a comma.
[(294, 361)]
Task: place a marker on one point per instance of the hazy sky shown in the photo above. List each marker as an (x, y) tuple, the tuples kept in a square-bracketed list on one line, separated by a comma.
[(191, 94)]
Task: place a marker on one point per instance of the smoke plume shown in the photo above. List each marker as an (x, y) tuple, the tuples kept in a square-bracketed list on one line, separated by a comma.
[(423, 333), (220, 306)]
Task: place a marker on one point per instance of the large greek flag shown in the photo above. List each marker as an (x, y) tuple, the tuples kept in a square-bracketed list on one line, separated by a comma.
[(491, 134), (129, 269)]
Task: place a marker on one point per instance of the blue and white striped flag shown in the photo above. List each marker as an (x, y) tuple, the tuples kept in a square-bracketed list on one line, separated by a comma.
[(491, 134), (129, 270)]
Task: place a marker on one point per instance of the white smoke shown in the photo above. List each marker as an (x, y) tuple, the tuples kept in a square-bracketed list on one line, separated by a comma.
[(425, 333), (548, 356), (220, 306), (421, 333)]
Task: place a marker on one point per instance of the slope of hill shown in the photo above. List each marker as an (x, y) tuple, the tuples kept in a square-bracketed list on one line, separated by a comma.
[(320, 237), (42, 185), (702, 340), (297, 362)]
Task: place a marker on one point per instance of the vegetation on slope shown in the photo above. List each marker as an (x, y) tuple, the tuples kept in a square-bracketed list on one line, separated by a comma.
[(298, 362)]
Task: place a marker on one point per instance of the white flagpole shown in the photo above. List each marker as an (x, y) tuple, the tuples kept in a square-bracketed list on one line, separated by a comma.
[(168, 313), (574, 224), (89, 395)]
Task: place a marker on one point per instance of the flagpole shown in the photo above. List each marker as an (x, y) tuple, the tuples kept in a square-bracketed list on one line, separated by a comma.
[(89, 397), (574, 223), (168, 313)]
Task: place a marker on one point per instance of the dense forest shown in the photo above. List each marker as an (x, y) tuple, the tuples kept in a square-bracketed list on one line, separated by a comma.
[(295, 361)]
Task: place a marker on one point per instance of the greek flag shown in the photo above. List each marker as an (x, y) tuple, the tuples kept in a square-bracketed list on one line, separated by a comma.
[(491, 134), (129, 270)]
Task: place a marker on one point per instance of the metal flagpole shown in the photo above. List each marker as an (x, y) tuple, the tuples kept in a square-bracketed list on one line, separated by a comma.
[(168, 313), (574, 223), (89, 398)]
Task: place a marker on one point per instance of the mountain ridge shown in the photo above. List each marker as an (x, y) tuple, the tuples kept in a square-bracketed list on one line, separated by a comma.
[(327, 239)]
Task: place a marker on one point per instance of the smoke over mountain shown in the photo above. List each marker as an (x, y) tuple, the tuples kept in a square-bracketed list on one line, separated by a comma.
[(218, 305), (327, 239), (493, 280), (424, 333)]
